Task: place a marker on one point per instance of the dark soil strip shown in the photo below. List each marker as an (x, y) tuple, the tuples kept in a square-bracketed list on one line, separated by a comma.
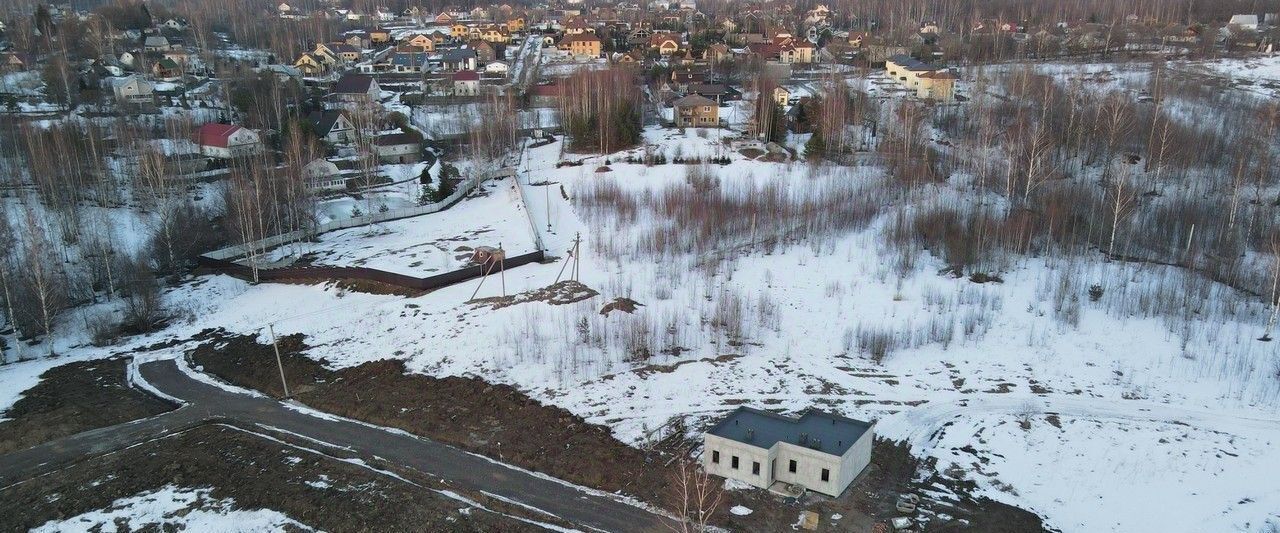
[(497, 421), (76, 397), (258, 474)]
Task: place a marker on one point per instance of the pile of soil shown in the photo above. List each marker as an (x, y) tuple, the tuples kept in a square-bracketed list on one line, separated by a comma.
[(626, 305), (560, 293), (497, 421), (76, 397), (258, 474)]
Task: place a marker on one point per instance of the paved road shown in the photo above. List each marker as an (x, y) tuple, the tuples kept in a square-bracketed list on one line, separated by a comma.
[(209, 403)]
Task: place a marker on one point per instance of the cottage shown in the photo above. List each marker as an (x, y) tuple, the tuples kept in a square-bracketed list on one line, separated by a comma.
[(133, 90), (497, 68), (420, 41), (695, 111), (14, 62), (227, 141), (155, 43), (928, 81), (485, 52), (583, 45), (323, 175), (718, 92), (819, 451), (459, 59), (355, 88), (466, 83), (166, 70), (334, 126), (398, 148), (310, 65), (409, 61)]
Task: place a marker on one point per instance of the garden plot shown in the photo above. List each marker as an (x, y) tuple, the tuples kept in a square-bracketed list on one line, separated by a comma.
[(429, 244)]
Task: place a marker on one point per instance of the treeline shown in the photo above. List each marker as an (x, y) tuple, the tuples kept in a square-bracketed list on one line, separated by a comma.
[(600, 110)]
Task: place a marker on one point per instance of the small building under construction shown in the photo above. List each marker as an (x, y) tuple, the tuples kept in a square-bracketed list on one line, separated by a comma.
[(819, 451)]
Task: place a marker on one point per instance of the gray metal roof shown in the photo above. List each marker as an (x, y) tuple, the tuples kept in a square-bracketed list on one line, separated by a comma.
[(816, 430)]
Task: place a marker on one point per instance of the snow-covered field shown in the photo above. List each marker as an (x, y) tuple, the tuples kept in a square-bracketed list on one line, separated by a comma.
[(173, 508), (1158, 424), (428, 244)]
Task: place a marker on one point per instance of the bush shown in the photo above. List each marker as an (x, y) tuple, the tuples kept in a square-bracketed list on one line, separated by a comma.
[(1095, 292)]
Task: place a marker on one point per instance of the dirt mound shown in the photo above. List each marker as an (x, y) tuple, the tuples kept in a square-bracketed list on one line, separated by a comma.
[(626, 305), (561, 293), (498, 421), (76, 397)]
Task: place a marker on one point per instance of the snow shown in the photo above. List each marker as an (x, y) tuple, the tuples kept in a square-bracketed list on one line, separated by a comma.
[(175, 508), (428, 244), (17, 378), (740, 510)]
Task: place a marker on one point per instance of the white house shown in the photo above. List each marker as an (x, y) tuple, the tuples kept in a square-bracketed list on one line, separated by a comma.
[(466, 83), (1244, 22), (227, 141), (323, 175), (334, 126), (398, 148), (133, 89), (497, 67), (819, 451)]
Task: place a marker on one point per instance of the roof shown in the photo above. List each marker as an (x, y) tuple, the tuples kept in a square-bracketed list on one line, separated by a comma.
[(459, 54), (214, 134), (466, 75), (584, 37), (912, 64), (693, 100), (353, 84), (816, 430), (323, 121), (396, 139)]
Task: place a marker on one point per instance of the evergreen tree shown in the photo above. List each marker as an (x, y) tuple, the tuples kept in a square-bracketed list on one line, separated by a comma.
[(816, 147)]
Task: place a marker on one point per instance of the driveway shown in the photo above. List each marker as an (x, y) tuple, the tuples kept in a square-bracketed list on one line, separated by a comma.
[(207, 403)]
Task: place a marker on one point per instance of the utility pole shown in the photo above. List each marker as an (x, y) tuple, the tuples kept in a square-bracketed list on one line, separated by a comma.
[(279, 364)]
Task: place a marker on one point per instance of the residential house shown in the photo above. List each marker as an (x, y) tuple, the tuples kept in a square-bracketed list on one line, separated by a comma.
[(166, 70), (14, 62), (459, 31), (927, 81), (495, 34), (323, 175), (356, 87), (379, 36), (497, 68), (421, 41), (716, 52), (485, 52), (797, 52), (718, 92), (155, 43), (408, 61), (227, 141), (398, 148), (1244, 22), (665, 43), (334, 126), (695, 111), (133, 90), (819, 451), (310, 65), (582, 45), (782, 96), (459, 59), (466, 83)]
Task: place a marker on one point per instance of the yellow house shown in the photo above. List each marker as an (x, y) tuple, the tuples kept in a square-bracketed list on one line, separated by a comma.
[(927, 81), (515, 23), (458, 31), (797, 52), (666, 43), (781, 96), (696, 111), (309, 65), (420, 41), (379, 36), (494, 34), (581, 45)]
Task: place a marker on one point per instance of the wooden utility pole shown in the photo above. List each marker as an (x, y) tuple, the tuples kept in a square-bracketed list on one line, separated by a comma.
[(279, 364)]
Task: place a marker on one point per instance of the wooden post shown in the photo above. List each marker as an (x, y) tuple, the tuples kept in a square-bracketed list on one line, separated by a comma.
[(279, 362)]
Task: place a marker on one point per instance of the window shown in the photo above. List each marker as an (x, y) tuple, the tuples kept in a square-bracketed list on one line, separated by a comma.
[(791, 467), (715, 457), (826, 475), (755, 468), (733, 462)]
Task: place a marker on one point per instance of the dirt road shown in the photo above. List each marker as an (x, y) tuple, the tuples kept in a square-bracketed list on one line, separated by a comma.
[(205, 403)]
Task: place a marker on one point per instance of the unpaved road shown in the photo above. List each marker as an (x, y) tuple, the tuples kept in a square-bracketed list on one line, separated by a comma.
[(588, 509)]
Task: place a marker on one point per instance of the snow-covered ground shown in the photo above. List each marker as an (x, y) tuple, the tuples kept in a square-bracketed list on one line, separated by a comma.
[(1155, 413), (172, 508), (428, 244)]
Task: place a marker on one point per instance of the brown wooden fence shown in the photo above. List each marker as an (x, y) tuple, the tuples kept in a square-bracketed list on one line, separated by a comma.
[(330, 273)]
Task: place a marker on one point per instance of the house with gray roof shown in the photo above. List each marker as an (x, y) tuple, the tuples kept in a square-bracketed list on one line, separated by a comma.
[(818, 451)]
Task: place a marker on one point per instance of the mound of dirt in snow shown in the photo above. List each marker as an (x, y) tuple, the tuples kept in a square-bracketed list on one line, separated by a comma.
[(626, 305), (561, 293)]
